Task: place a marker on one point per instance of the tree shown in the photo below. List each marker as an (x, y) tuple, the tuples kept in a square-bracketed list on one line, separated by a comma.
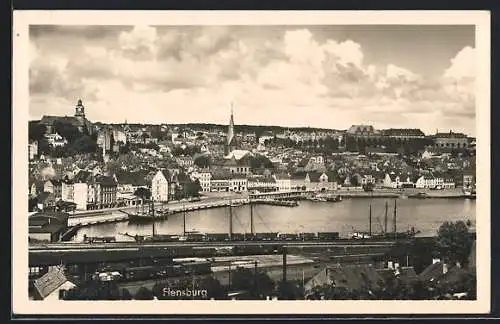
[(203, 161), (143, 193), (258, 284), (454, 242), (126, 295), (36, 131), (66, 130), (32, 204), (144, 294), (290, 290), (259, 161), (84, 144), (214, 288)]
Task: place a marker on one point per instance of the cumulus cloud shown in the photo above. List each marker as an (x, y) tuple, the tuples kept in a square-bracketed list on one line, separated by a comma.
[(463, 65), (149, 72)]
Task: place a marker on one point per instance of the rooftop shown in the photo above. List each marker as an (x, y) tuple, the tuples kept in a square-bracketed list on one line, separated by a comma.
[(50, 281)]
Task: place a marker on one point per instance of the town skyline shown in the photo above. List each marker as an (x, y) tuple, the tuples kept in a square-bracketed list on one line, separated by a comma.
[(292, 76), (288, 127)]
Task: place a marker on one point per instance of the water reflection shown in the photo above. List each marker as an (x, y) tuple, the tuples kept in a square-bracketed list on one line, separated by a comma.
[(351, 214)]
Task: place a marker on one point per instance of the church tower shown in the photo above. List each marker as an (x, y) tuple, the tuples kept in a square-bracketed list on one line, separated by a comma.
[(230, 134), (80, 111)]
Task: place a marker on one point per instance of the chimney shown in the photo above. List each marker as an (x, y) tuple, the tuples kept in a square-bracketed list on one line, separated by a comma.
[(445, 268)]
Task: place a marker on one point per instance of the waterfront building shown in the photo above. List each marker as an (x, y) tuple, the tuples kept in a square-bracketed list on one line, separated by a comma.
[(160, 186), (81, 195), (238, 183), (106, 189), (262, 184), (204, 176), (220, 183), (469, 179), (320, 181), (237, 162), (396, 181), (283, 182)]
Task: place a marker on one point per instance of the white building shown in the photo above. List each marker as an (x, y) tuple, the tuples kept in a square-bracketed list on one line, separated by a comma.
[(119, 136), (317, 159), (204, 177), (283, 182), (32, 150), (159, 186), (67, 191), (56, 140), (80, 195), (426, 182), (238, 184)]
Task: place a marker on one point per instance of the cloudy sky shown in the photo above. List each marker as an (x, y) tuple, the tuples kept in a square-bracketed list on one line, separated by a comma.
[(319, 76)]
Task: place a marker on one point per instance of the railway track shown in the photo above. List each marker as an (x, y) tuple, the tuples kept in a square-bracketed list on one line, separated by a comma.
[(130, 245)]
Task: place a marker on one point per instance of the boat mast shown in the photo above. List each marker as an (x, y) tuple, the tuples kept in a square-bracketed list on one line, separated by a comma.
[(394, 220), (183, 220), (153, 214), (370, 222), (251, 219), (385, 218), (230, 220)]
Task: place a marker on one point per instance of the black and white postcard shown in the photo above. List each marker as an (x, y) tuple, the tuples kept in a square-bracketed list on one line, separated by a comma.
[(251, 162)]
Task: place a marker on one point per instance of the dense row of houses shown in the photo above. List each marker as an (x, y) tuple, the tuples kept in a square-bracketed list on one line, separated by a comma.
[(86, 191)]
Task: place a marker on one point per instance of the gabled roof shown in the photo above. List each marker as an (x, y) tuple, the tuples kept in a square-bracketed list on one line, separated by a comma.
[(238, 154), (283, 176), (298, 176), (60, 216), (361, 129), (50, 281), (354, 277), (432, 272), (106, 180), (314, 176), (136, 178)]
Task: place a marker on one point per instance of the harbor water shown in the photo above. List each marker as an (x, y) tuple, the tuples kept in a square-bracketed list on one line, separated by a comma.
[(347, 216)]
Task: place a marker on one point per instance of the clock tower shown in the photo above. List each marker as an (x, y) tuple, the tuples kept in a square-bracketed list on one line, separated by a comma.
[(80, 111)]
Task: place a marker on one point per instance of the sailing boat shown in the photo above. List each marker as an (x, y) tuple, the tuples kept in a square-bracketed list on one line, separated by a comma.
[(395, 235), (364, 235), (141, 215)]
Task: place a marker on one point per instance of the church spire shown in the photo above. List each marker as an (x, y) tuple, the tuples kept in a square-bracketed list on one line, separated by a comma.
[(230, 132)]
